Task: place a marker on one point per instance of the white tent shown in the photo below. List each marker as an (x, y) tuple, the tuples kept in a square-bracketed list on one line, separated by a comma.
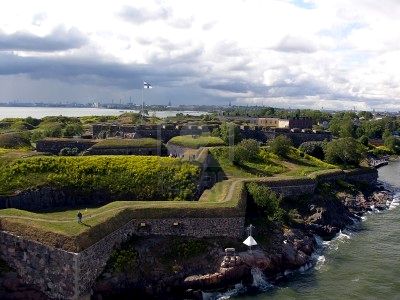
[(250, 241)]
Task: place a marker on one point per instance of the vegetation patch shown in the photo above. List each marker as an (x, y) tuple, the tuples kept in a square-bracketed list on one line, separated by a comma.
[(128, 143), (136, 177), (196, 141)]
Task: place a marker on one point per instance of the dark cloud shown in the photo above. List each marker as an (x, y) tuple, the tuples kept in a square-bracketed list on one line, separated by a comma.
[(60, 39), (142, 15), (94, 71)]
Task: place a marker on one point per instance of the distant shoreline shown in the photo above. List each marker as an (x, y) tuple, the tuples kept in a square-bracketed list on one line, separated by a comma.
[(40, 112)]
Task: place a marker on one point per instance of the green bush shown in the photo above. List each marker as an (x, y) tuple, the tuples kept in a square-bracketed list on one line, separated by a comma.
[(382, 150), (130, 177), (266, 199), (346, 151), (281, 145), (72, 129), (124, 261), (14, 140), (183, 248), (246, 150)]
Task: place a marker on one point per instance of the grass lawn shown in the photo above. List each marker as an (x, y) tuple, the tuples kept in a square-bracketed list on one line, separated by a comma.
[(197, 141), (128, 143), (267, 164)]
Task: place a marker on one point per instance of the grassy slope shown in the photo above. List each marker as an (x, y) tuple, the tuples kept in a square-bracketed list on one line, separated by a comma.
[(138, 176), (268, 164), (128, 143), (196, 142)]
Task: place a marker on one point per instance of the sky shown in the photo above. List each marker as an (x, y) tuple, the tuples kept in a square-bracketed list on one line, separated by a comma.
[(330, 54)]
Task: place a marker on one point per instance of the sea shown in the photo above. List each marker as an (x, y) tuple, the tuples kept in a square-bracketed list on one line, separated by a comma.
[(40, 112), (362, 262)]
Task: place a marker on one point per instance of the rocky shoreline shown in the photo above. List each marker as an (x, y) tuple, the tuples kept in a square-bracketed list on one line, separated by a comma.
[(182, 268), (283, 248)]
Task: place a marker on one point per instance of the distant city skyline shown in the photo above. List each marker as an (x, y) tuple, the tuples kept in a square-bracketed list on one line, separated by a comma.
[(283, 53)]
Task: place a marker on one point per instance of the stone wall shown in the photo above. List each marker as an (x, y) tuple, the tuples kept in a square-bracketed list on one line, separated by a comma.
[(126, 151), (51, 270), (54, 146), (66, 275), (45, 198), (294, 189), (165, 133), (93, 259), (369, 176)]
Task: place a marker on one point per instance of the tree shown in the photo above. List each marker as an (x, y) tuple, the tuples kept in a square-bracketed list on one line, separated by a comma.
[(347, 151), (246, 150), (281, 145), (390, 141), (364, 140), (230, 133), (347, 128), (314, 148)]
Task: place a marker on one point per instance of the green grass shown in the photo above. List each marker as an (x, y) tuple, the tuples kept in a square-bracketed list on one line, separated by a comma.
[(267, 164), (305, 165), (128, 143), (131, 177), (197, 141)]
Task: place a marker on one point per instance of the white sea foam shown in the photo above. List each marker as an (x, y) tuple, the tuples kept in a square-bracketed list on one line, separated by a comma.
[(395, 202), (320, 261), (259, 280), (238, 289)]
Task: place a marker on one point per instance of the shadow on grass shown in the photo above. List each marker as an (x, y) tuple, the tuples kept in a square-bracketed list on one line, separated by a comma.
[(86, 225)]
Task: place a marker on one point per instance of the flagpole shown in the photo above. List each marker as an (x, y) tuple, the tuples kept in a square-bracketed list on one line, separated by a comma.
[(142, 103)]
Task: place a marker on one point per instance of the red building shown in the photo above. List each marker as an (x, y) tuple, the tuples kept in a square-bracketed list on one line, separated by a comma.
[(301, 123)]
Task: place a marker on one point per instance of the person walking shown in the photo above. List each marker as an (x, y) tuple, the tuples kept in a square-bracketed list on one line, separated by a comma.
[(79, 217)]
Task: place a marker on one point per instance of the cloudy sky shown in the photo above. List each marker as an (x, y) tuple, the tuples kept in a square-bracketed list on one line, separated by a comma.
[(335, 54)]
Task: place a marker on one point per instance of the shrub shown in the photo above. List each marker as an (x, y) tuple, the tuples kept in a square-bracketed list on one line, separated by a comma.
[(266, 199), (281, 145), (69, 151), (72, 129), (124, 260), (246, 150), (381, 150), (130, 177), (14, 141), (347, 151), (185, 248), (313, 148)]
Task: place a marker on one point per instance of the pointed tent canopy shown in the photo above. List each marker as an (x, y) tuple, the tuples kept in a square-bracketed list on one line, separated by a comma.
[(250, 241)]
